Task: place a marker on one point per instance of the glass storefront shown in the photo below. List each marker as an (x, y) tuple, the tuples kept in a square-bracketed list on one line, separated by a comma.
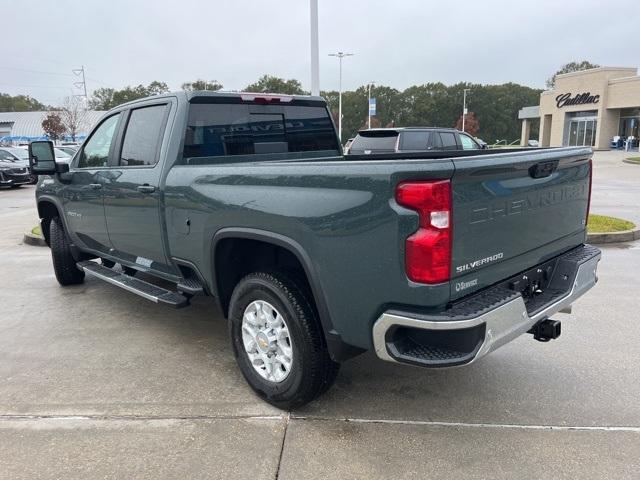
[(581, 128), (629, 122)]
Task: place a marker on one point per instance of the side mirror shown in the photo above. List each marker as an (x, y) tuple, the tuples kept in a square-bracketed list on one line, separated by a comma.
[(42, 158)]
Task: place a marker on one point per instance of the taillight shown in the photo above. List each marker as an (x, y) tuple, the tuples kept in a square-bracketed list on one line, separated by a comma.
[(428, 250), (264, 99)]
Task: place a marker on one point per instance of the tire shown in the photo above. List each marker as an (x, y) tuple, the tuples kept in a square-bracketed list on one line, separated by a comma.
[(64, 265), (311, 371)]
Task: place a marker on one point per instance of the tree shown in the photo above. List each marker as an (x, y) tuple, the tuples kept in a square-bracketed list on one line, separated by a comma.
[(107, 98), (211, 85), (571, 67), (19, 103), (72, 115), (273, 84), (52, 126), (471, 124)]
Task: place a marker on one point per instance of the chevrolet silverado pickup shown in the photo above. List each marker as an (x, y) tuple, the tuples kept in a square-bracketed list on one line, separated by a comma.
[(432, 258)]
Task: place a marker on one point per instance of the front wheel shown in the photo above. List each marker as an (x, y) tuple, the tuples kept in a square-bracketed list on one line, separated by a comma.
[(64, 265), (278, 342)]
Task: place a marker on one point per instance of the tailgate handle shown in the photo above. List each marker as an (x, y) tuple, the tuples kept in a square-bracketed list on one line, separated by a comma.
[(543, 169)]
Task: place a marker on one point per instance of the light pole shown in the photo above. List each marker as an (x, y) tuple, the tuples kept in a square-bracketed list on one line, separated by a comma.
[(369, 105), (340, 56), (315, 60), (464, 105)]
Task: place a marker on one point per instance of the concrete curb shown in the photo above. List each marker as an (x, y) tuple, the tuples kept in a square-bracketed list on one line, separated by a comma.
[(614, 237), (35, 240)]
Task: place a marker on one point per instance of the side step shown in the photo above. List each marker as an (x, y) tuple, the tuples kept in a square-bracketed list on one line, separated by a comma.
[(134, 285), (190, 286)]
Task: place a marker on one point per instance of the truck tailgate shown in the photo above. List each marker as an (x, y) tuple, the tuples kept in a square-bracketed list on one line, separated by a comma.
[(514, 211)]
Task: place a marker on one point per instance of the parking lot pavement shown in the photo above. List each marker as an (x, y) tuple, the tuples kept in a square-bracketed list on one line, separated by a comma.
[(98, 383), (616, 186)]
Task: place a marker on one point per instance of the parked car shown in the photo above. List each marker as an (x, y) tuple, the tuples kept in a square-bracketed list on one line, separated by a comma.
[(411, 139), (71, 151), (347, 145), (62, 156), (14, 162), (431, 259)]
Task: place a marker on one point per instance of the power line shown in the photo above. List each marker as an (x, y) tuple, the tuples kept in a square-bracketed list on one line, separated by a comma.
[(36, 71), (33, 86)]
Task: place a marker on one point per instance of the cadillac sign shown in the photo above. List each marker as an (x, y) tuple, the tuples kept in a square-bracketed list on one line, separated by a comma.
[(565, 99)]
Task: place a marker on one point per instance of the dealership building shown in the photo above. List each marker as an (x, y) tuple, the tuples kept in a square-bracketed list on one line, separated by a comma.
[(591, 107)]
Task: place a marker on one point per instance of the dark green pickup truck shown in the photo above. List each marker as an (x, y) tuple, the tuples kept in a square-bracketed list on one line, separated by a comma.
[(431, 259)]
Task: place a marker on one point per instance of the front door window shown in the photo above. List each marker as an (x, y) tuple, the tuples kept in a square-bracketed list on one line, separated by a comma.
[(95, 152)]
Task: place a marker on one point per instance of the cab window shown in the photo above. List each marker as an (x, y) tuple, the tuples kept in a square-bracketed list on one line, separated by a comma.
[(415, 140), (96, 149), (468, 143), (143, 136), (448, 141)]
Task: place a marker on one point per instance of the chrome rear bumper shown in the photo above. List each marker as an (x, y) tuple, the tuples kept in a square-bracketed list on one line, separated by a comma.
[(492, 327)]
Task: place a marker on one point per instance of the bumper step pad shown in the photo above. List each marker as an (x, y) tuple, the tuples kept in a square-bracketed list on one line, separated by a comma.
[(134, 285)]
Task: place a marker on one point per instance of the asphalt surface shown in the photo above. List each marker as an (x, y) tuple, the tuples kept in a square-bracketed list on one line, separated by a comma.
[(98, 383)]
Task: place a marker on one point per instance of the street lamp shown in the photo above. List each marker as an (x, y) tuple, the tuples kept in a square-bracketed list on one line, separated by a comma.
[(371, 84), (464, 105), (340, 56), (315, 62)]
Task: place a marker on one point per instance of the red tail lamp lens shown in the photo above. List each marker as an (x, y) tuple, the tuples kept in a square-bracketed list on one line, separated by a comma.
[(428, 250)]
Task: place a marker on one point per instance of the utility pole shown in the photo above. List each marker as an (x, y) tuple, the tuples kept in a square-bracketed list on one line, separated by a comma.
[(315, 55), (369, 105), (464, 105), (83, 83), (340, 56)]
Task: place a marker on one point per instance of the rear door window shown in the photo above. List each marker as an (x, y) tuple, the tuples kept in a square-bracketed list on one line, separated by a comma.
[(143, 136), (448, 141), (373, 142), (220, 130), (418, 140)]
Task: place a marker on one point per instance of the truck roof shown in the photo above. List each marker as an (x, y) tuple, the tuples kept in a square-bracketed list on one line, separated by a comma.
[(246, 96), (400, 129)]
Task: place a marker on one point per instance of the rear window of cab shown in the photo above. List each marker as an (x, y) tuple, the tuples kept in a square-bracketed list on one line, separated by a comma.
[(223, 130)]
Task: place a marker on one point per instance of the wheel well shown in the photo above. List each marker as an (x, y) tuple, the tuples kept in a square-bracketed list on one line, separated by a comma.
[(46, 211), (237, 257)]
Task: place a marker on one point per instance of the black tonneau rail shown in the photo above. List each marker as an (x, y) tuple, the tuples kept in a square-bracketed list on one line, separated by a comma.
[(437, 154)]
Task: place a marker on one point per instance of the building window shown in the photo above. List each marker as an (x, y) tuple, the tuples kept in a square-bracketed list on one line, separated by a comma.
[(629, 122)]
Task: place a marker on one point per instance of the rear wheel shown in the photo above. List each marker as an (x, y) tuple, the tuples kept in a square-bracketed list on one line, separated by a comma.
[(64, 265), (278, 342)]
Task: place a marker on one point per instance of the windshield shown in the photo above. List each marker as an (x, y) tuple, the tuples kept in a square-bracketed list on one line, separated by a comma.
[(371, 142), (21, 153)]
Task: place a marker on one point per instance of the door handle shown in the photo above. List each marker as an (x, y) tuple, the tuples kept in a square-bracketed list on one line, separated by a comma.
[(95, 186), (146, 188)]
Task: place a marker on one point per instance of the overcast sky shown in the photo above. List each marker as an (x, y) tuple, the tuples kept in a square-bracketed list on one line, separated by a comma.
[(397, 43)]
